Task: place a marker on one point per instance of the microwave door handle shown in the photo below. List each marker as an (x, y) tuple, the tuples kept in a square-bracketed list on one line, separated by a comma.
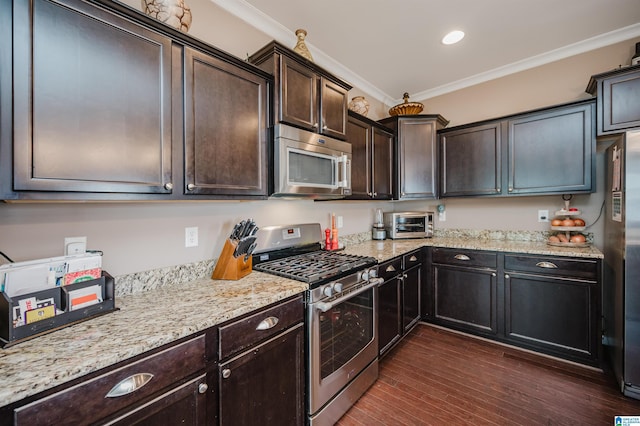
[(345, 164)]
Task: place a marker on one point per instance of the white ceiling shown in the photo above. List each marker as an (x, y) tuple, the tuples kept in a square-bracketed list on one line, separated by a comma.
[(387, 47)]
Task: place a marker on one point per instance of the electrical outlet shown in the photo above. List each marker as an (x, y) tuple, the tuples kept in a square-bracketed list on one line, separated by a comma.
[(191, 236), (442, 216), (75, 245), (543, 215), (339, 221)]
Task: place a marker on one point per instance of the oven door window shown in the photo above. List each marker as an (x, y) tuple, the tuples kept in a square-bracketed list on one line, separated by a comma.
[(344, 331), (307, 168)]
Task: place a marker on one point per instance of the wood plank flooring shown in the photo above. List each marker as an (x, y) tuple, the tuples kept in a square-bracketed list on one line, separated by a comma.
[(437, 377)]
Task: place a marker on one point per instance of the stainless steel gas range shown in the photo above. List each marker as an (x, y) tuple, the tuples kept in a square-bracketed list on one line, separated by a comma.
[(341, 326)]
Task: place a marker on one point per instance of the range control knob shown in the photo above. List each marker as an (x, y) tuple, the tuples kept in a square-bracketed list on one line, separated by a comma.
[(327, 290), (337, 287), (365, 275)]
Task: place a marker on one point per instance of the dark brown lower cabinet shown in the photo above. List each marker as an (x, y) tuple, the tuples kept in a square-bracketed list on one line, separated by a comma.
[(265, 385), (548, 304), (411, 289), (553, 309), (399, 298), (389, 320), (465, 290), (182, 405)]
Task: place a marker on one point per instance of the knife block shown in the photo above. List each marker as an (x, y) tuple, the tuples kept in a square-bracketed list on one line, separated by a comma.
[(229, 267)]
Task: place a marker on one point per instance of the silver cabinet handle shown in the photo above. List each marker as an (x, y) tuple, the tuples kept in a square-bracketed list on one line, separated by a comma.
[(315, 125), (370, 194), (461, 257), (203, 387), (324, 127), (493, 274), (507, 276), (375, 194), (510, 189), (128, 385), (168, 186), (267, 323), (404, 275), (547, 265), (191, 187), (413, 259), (390, 268), (226, 373)]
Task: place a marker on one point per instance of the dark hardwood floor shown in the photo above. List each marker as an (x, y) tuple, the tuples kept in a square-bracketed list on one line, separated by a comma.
[(437, 377)]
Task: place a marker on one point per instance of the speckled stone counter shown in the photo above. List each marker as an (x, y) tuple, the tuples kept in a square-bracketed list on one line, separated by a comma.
[(388, 249), (144, 321), (158, 307)]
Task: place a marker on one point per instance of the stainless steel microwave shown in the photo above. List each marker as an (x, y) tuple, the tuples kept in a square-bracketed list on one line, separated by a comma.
[(409, 225), (310, 165)]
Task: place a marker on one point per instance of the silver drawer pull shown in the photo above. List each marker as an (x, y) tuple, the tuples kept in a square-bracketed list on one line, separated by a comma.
[(461, 257), (547, 265), (413, 259), (226, 373), (390, 268), (130, 384), (267, 323), (203, 387)]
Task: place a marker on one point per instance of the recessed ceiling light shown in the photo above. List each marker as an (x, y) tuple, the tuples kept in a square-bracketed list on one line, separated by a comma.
[(453, 37)]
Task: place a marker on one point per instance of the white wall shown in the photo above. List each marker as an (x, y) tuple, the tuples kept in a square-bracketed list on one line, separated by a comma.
[(142, 236)]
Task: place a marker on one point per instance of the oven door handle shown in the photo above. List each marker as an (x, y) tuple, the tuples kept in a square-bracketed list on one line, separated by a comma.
[(325, 306)]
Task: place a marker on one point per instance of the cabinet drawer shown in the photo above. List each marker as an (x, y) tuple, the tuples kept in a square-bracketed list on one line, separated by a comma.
[(390, 268), (88, 402), (238, 335), (464, 257), (571, 267), (412, 259)]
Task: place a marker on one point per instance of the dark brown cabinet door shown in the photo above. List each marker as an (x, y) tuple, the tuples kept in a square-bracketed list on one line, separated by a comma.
[(411, 283), (359, 136), (466, 298), (552, 305), (92, 101), (416, 155), (552, 151), (333, 109), (470, 161), (182, 405), (265, 385), (618, 99), (299, 92), (382, 170), (225, 122), (389, 315), (371, 159)]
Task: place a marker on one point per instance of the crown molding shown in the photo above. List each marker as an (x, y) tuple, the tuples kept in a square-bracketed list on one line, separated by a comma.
[(583, 46), (282, 34)]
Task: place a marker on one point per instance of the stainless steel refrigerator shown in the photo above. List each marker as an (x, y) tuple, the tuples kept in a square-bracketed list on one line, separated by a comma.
[(621, 280)]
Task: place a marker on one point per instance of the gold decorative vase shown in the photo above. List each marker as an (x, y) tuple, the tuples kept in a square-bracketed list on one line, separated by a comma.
[(406, 108), (301, 48), (175, 13)]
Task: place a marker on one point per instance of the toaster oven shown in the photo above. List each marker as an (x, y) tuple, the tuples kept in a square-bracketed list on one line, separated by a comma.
[(408, 225)]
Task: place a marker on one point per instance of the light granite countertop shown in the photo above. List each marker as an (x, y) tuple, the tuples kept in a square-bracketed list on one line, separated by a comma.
[(388, 249), (165, 313), (143, 322)]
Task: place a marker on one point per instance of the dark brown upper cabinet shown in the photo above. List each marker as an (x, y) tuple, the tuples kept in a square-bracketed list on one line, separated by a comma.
[(371, 158), (547, 151), (416, 155), (306, 95), (91, 101), (106, 103), (225, 128), (618, 105), (470, 161)]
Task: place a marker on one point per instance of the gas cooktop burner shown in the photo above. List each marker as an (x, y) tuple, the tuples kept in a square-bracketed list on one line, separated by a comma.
[(316, 267)]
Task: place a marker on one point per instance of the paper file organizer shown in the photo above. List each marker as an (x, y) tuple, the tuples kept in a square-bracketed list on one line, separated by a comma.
[(76, 301)]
